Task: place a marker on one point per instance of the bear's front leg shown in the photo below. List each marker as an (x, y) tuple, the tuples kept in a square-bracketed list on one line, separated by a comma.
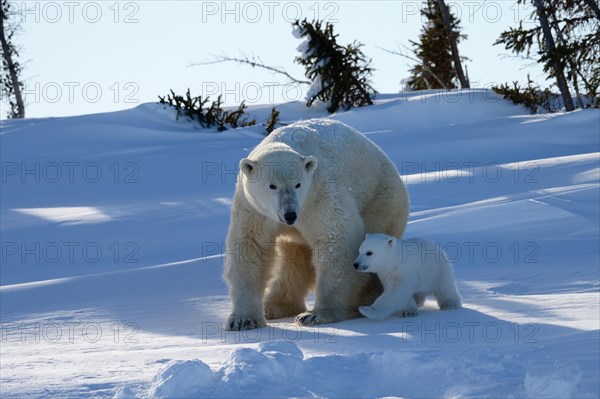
[(247, 267), (246, 288)]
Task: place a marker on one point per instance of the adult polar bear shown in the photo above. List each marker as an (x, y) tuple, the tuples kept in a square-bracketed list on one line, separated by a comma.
[(305, 197)]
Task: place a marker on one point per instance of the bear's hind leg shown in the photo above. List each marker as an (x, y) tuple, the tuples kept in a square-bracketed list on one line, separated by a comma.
[(338, 284), (419, 299), (387, 212), (294, 277), (447, 295)]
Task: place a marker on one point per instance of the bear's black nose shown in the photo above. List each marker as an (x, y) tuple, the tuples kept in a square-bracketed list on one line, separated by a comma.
[(290, 217), (356, 265)]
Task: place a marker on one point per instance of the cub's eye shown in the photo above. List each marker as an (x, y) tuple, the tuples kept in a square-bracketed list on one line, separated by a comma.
[(273, 187), (369, 253), (298, 185)]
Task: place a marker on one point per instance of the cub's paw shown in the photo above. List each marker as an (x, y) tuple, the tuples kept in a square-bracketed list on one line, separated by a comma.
[(409, 313), (235, 323), (371, 312)]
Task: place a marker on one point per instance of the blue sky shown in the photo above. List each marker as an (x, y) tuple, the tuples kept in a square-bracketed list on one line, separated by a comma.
[(86, 57)]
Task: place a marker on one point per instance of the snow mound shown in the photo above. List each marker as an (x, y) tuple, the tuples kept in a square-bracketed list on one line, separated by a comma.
[(182, 379), (270, 370)]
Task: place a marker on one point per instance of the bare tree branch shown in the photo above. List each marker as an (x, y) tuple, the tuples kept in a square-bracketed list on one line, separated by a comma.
[(415, 60), (254, 63)]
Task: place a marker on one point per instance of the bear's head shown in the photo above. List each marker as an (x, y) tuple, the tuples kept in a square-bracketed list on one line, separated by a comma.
[(277, 182), (375, 253)]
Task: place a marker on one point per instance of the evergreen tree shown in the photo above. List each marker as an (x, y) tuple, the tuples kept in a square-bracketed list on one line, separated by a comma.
[(339, 74), (567, 43), (576, 24), (436, 70), (12, 86)]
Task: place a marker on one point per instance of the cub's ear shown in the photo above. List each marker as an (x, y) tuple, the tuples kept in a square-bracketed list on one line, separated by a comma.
[(248, 166), (310, 163), (391, 242)]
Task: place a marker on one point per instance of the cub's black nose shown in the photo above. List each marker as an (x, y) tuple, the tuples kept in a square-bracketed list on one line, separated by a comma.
[(356, 265), (290, 217)]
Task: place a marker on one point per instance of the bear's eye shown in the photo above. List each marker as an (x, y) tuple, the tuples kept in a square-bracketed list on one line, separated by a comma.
[(369, 253), (298, 185), (272, 187)]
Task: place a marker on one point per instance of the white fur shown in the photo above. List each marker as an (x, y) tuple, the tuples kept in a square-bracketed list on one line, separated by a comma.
[(409, 271), (348, 187)]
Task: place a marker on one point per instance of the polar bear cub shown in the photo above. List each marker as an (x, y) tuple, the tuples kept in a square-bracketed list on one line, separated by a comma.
[(409, 270)]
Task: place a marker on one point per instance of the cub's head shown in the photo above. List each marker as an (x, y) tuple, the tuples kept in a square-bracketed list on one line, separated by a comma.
[(277, 183), (375, 252)]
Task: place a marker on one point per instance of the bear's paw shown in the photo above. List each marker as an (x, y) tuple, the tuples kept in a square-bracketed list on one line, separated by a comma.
[(244, 323), (314, 318)]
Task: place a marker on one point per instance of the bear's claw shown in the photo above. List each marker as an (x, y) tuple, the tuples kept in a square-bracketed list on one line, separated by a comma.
[(450, 306), (409, 313), (308, 319), (241, 323)]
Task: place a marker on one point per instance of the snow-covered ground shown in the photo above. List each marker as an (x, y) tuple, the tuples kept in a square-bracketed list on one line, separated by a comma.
[(113, 229)]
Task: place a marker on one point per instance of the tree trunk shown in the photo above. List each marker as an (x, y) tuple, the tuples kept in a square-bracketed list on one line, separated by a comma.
[(577, 93), (593, 4), (561, 81), (464, 83), (574, 70), (6, 51)]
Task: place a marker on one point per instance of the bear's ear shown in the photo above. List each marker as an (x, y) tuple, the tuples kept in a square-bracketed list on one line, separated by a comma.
[(247, 166), (310, 163)]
